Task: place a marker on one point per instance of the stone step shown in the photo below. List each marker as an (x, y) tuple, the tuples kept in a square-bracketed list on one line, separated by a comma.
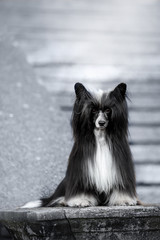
[(79, 6), (35, 37), (146, 154), (101, 22), (87, 53), (149, 194), (139, 92), (62, 77), (144, 135), (148, 174), (83, 6), (100, 48)]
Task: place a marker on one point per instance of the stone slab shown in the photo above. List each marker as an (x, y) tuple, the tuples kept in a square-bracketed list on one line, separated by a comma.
[(83, 223)]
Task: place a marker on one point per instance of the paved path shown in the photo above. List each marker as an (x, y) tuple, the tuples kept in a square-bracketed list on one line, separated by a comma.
[(100, 44)]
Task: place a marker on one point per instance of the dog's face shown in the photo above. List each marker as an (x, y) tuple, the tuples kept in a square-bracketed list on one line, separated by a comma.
[(99, 109), (101, 117)]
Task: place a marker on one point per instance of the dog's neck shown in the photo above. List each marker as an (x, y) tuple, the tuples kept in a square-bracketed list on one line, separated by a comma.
[(100, 135), (102, 171)]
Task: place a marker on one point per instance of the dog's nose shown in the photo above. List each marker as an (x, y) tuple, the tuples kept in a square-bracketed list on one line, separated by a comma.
[(101, 123)]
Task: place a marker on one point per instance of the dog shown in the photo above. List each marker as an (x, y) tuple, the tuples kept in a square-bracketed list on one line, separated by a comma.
[(100, 167)]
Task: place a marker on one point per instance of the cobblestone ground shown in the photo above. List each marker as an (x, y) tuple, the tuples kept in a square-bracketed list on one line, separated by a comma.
[(99, 43)]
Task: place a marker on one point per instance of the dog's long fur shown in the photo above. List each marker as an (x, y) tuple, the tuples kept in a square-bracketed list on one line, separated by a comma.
[(100, 168)]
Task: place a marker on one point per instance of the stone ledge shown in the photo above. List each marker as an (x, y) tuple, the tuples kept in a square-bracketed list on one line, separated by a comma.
[(83, 223)]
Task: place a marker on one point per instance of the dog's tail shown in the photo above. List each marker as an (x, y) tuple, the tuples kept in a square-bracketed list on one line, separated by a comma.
[(33, 204), (43, 203)]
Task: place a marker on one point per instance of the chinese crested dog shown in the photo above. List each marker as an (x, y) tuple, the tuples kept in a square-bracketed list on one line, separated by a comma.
[(100, 169)]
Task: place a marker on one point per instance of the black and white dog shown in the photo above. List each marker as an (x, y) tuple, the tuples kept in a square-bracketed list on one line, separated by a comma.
[(100, 169)]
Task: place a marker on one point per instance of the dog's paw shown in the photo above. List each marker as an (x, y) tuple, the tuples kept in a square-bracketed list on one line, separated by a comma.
[(131, 202), (122, 199), (81, 201), (78, 203)]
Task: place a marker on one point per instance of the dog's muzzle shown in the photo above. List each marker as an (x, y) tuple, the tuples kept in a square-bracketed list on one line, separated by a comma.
[(101, 121)]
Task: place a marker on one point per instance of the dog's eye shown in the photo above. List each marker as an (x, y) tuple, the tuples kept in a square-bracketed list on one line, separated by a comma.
[(107, 110), (94, 110)]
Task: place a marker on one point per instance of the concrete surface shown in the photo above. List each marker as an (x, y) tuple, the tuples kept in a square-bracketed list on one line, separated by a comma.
[(84, 223), (33, 154)]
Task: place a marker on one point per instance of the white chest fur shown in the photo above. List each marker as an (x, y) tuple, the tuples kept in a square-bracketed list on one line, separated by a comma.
[(102, 170)]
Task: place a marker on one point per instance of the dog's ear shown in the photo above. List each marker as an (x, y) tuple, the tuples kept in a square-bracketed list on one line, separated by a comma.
[(120, 91), (81, 91)]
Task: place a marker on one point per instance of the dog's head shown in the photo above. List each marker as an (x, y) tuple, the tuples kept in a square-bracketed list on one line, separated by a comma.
[(100, 109)]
